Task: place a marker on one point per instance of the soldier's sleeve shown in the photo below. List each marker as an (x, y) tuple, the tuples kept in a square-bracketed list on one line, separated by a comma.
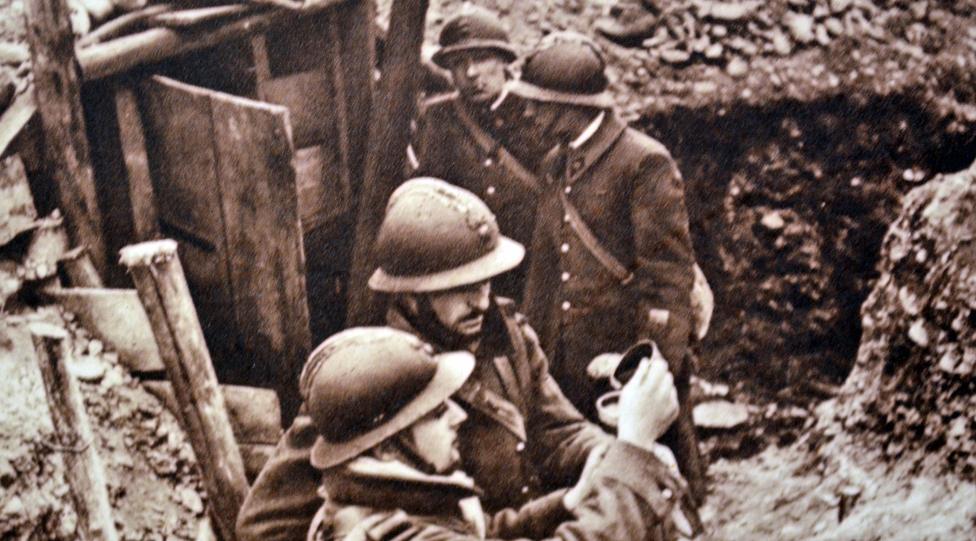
[(561, 438), (536, 519), (427, 144), (664, 256), (284, 498)]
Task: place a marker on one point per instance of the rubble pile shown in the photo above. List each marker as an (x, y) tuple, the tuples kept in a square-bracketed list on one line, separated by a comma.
[(913, 385), (154, 489), (730, 33)]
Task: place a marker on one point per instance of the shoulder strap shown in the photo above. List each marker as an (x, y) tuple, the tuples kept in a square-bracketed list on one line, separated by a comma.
[(493, 148), (593, 245)]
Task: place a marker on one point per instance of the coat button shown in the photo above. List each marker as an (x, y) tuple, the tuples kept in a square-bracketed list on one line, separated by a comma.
[(519, 447), (488, 162), (568, 189), (490, 190), (564, 248), (525, 489), (564, 277), (666, 493), (566, 218), (566, 306), (577, 164)]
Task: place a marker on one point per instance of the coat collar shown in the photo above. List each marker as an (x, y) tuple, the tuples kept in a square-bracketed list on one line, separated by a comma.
[(581, 158), (383, 484)]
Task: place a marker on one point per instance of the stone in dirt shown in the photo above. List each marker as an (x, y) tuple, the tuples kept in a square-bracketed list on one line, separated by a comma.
[(720, 415)]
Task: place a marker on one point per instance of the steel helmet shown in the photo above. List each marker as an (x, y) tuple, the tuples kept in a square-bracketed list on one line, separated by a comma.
[(366, 384), (473, 29), (437, 236), (564, 68)]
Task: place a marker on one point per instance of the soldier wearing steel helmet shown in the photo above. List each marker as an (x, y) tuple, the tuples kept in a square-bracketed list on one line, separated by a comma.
[(612, 261), (387, 446), (438, 249), (460, 140)]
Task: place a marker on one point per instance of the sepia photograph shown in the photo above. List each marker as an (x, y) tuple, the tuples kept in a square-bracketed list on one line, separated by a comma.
[(460, 270)]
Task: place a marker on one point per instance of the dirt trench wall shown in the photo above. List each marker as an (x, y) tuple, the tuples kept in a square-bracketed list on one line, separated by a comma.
[(913, 386), (788, 204)]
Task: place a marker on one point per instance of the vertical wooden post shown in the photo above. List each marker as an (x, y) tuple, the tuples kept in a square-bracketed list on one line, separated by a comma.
[(79, 268), (57, 87), (85, 472), (145, 219), (162, 287), (389, 134)]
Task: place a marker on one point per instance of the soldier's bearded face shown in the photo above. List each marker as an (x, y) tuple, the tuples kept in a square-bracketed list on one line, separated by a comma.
[(479, 75), (462, 310), (435, 436)]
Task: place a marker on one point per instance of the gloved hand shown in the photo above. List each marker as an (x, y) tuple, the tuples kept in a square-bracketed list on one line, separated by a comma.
[(648, 404)]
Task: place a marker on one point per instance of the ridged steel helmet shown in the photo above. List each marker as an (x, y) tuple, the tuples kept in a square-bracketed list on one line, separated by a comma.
[(474, 29), (366, 384), (565, 67), (436, 236)]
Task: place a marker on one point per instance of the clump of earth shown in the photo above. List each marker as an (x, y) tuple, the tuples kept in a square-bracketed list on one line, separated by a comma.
[(154, 489)]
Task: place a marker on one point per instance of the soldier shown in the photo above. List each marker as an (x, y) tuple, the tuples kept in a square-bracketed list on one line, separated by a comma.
[(438, 249), (457, 136), (387, 446), (612, 261)]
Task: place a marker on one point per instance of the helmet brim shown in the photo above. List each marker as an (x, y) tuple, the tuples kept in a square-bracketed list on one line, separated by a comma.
[(505, 257), (443, 55), (453, 369), (529, 91)]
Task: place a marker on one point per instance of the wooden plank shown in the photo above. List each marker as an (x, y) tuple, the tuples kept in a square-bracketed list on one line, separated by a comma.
[(145, 219), (262, 65), (308, 97), (57, 87), (389, 133), (116, 317), (323, 197), (355, 22), (79, 268), (14, 118), (179, 127), (191, 17), (162, 287), (17, 212), (256, 176), (255, 413), (84, 468)]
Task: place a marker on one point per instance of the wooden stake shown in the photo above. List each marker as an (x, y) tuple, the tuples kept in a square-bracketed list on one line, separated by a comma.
[(162, 287), (85, 472), (389, 134), (80, 269), (57, 87), (145, 219)]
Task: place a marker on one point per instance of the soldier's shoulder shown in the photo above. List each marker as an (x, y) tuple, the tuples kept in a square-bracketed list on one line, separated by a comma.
[(644, 144), (438, 103)]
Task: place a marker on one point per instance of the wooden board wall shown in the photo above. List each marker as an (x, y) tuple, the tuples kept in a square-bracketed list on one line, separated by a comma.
[(225, 186)]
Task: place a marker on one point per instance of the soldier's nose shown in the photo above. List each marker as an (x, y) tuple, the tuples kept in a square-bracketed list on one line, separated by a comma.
[(481, 297)]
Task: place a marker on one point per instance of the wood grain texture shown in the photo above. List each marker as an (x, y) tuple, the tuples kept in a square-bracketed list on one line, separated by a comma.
[(75, 440)]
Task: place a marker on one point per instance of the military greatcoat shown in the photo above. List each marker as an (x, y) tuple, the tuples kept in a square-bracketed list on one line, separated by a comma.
[(522, 439), (628, 191), (456, 143)]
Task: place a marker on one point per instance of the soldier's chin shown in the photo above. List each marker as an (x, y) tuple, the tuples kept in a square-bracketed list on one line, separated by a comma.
[(471, 326)]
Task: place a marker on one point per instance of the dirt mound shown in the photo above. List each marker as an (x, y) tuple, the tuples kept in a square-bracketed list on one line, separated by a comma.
[(913, 386), (153, 486)]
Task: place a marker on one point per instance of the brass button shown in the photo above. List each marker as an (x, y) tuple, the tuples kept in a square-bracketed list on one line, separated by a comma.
[(568, 189), (564, 277), (667, 494), (490, 190), (566, 306), (525, 489), (488, 161), (564, 248), (566, 218), (519, 447)]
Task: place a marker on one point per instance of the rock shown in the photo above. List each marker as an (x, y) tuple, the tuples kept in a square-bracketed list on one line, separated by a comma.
[(675, 56), (800, 26), (719, 31), (727, 11), (919, 10), (743, 45), (13, 53), (191, 500), (840, 6), (714, 51), (737, 67), (781, 43), (834, 26), (95, 347), (772, 221), (14, 509), (823, 36), (87, 368), (705, 87), (720, 415), (918, 334)]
